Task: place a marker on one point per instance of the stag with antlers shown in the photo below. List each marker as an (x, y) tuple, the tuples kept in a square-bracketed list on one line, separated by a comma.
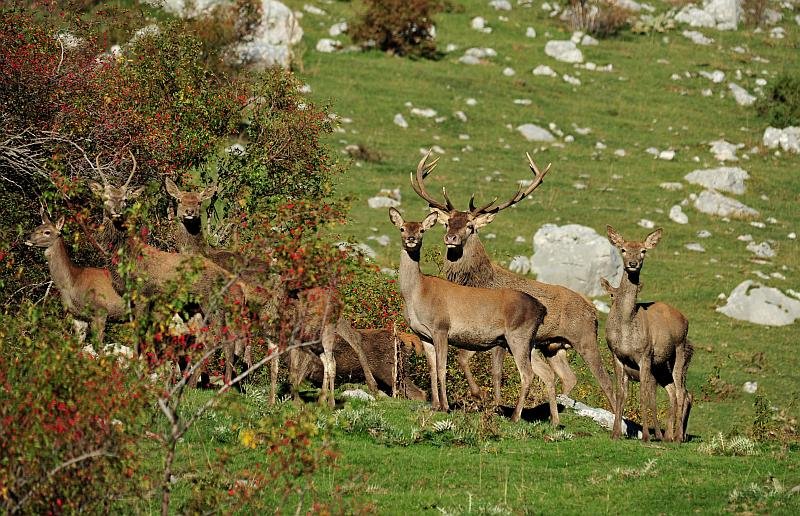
[(570, 320)]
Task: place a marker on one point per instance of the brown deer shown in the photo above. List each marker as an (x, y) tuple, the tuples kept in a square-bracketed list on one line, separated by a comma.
[(570, 320), (190, 239), (387, 352), (156, 271), (649, 343), (442, 313), (86, 292)]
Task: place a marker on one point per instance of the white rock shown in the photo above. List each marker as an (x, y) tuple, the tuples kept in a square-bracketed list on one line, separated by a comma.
[(719, 14), (523, 102), (725, 151), (666, 155), (544, 70), (694, 246), (788, 139), (703, 233), (471, 102), (400, 121), (380, 201), (714, 203), (509, 72), (676, 215), (534, 133), (723, 179), (575, 256), (327, 45), (571, 80), (750, 387), (530, 32), (481, 52), (672, 187), (697, 37), (601, 306), (313, 9), (652, 151), (382, 240), (742, 97), (753, 302), (762, 250), (589, 41), (500, 5), (337, 29), (601, 416), (469, 60), (745, 238), (564, 51), (424, 112), (358, 394), (646, 223), (272, 40), (620, 153), (478, 23), (792, 236), (717, 76), (460, 115)]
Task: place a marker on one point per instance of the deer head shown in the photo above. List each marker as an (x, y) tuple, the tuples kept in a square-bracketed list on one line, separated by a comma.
[(189, 201), (47, 233), (115, 198), (411, 232), (460, 225), (632, 251)]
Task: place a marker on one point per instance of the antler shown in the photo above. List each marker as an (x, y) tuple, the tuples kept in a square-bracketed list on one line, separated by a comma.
[(99, 168), (522, 193), (132, 171), (417, 183)]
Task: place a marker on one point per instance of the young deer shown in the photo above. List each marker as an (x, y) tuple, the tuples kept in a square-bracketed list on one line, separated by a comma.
[(156, 271), (570, 320), (442, 313), (85, 291), (649, 343)]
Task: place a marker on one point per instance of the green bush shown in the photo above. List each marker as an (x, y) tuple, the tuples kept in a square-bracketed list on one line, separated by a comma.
[(402, 27), (780, 105)]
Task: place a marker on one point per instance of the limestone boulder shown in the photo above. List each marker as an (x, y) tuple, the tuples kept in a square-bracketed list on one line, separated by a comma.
[(755, 303), (723, 179), (712, 202)]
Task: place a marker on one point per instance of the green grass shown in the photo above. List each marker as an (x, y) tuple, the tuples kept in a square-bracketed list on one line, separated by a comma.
[(633, 107)]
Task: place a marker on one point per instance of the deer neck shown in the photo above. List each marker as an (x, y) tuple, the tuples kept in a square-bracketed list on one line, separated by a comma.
[(62, 270), (469, 265), (410, 274), (190, 236), (625, 298)]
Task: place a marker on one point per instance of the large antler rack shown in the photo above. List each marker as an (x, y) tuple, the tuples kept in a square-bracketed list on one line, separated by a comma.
[(521, 192), (418, 183), (99, 169)]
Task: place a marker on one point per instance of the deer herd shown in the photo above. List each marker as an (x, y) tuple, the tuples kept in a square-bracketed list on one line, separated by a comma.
[(477, 306)]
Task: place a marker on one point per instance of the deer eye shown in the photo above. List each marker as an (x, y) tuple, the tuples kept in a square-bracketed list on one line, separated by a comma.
[(623, 251), (47, 232)]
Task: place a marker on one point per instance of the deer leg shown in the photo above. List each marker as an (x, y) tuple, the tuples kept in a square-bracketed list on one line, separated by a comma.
[(687, 408), (329, 363), (294, 373), (521, 352), (79, 327), (345, 329), (99, 328), (619, 397), (440, 343), (645, 390), (679, 382), (559, 362), (674, 410), (272, 349), (586, 346), (545, 373), (498, 357), (430, 356), (462, 357)]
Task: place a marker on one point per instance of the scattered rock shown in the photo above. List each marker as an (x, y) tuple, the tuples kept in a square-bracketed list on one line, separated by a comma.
[(717, 76), (697, 37), (500, 5), (337, 29), (743, 98), (601, 416), (509, 72), (530, 32), (723, 179), (753, 302), (714, 203), (667, 155), (382, 240), (589, 41), (676, 215), (534, 133), (400, 121), (715, 14), (520, 264), (725, 151), (750, 387), (575, 256), (672, 187), (762, 250), (424, 112), (601, 306), (787, 139), (703, 233), (694, 246), (647, 224), (327, 45), (569, 79), (358, 394), (460, 115), (272, 40), (479, 23), (544, 70), (564, 51)]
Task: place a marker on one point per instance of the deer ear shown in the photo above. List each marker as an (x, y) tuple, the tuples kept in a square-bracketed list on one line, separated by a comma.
[(60, 224), (614, 237), (395, 217), (652, 239), (483, 220), (607, 286), (442, 216), (209, 192), (133, 194), (97, 188), (172, 188), (429, 221)]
